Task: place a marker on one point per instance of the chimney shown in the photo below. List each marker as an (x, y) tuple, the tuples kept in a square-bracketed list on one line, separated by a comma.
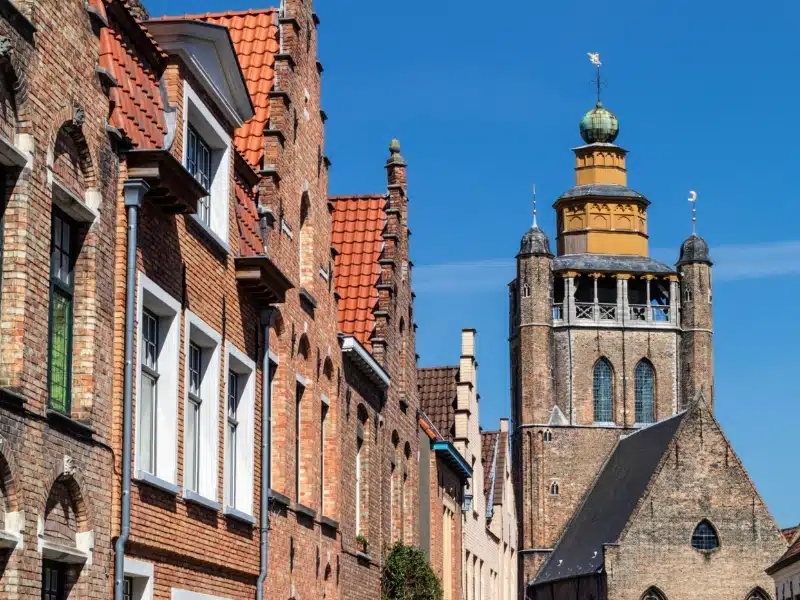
[(504, 425)]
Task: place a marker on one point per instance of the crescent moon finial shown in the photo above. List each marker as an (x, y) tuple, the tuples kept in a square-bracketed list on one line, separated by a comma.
[(693, 200)]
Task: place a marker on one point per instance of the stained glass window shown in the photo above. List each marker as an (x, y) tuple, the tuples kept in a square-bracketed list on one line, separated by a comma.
[(644, 395), (61, 292), (603, 387), (704, 537)]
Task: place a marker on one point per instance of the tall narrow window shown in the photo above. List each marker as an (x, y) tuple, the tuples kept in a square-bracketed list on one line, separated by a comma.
[(704, 537), (233, 425), (306, 257), (273, 370), (149, 398), (322, 427), (62, 261), (192, 448), (299, 391), (644, 393), (198, 163), (359, 445), (603, 388)]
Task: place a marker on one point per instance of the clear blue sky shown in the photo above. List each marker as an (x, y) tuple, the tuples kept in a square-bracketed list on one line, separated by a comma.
[(486, 101)]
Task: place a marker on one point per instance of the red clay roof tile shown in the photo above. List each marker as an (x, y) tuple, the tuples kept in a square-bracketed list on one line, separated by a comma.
[(358, 223)]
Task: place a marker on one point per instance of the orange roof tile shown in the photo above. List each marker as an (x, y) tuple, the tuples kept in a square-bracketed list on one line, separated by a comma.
[(255, 38), (358, 224), (136, 107)]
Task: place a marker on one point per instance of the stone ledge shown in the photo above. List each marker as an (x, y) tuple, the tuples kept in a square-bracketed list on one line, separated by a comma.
[(193, 497), (77, 427), (302, 509), (279, 498), (238, 515)]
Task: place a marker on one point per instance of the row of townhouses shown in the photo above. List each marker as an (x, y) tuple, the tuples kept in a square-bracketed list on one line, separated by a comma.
[(208, 370)]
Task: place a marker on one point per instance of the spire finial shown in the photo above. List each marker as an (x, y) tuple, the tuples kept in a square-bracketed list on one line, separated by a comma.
[(693, 200), (594, 58), (394, 154), (534, 206)]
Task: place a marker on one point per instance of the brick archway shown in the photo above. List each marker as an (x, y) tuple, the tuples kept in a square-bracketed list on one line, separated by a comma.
[(70, 120), (8, 475), (68, 474)]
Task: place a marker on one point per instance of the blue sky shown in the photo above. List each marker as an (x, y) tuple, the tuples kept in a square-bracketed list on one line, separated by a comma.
[(486, 101)]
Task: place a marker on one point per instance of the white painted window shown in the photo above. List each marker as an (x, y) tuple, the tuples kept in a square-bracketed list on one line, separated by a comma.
[(207, 155), (138, 583), (201, 408), (157, 395), (240, 395)]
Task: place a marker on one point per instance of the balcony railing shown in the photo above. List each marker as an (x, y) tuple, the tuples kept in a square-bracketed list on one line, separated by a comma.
[(609, 313)]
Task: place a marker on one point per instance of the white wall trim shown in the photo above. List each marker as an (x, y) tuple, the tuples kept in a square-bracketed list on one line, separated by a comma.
[(178, 594), (202, 334), (165, 306), (142, 574)]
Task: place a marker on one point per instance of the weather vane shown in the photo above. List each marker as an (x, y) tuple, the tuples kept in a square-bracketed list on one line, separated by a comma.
[(594, 58), (534, 205), (693, 200)]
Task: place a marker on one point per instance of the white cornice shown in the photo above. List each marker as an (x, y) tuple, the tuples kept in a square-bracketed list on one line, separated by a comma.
[(364, 359)]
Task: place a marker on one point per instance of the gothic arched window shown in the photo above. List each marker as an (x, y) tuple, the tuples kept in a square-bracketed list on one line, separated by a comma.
[(554, 489), (704, 537), (644, 393), (758, 594), (654, 594), (603, 387)]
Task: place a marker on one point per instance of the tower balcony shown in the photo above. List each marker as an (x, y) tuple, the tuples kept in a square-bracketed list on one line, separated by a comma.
[(616, 300)]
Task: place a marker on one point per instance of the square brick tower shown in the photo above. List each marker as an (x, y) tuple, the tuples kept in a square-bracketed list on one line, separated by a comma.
[(603, 338)]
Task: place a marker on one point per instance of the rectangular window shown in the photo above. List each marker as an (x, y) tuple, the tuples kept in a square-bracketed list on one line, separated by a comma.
[(233, 425), (149, 398), (198, 163), (299, 391), (273, 371), (53, 580), (62, 262), (323, 418), (192, 448)]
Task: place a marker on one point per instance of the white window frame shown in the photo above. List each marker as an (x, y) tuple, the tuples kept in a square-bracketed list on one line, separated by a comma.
[(142, 575), (203, 121), (244, 368), (202, 335), (167, 309)]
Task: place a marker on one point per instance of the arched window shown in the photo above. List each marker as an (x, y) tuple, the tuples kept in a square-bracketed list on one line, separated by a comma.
[(758, 594), (644, 393), (526, 290), (547, 435), (554, 488), (704, 537), (654, 594), (603, 387)]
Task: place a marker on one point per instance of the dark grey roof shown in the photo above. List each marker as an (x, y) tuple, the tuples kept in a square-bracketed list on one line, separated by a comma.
[(535, 241), (609, 262), (694, 250), (611, 190), (608, 506)]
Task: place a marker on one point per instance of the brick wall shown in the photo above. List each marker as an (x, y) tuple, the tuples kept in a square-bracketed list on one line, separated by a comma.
[(49, 81)]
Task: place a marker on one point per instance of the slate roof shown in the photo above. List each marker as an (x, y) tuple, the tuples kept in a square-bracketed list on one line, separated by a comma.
[(610, 262), (608, 506), (602, 190), (792, 555), (254, 34), (358, 224), (437, 396), (493, 455)]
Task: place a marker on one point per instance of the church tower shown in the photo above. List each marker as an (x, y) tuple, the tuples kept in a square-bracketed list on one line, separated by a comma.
[(603, 338)]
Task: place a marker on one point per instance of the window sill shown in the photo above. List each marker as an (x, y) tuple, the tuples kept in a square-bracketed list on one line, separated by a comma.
[(157, 482), (212, 237), (77, 427), (328, 522), (238, 515), (195, 498), (304, 510), (279, 498), (364, 556)]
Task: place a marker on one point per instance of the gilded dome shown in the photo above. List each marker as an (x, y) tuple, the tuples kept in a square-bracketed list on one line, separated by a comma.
[(599, 125)]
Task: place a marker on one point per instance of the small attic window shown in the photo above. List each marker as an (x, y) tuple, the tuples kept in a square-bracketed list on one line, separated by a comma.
[(704, 537)]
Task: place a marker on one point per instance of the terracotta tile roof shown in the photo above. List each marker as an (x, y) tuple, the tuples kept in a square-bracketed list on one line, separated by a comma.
[(790, 532), (437, 396), (792, 555), (358, 224), (136, 107), (255, 37)]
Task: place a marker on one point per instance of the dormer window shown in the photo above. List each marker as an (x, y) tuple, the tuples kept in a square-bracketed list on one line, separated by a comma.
[(207, 156)]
